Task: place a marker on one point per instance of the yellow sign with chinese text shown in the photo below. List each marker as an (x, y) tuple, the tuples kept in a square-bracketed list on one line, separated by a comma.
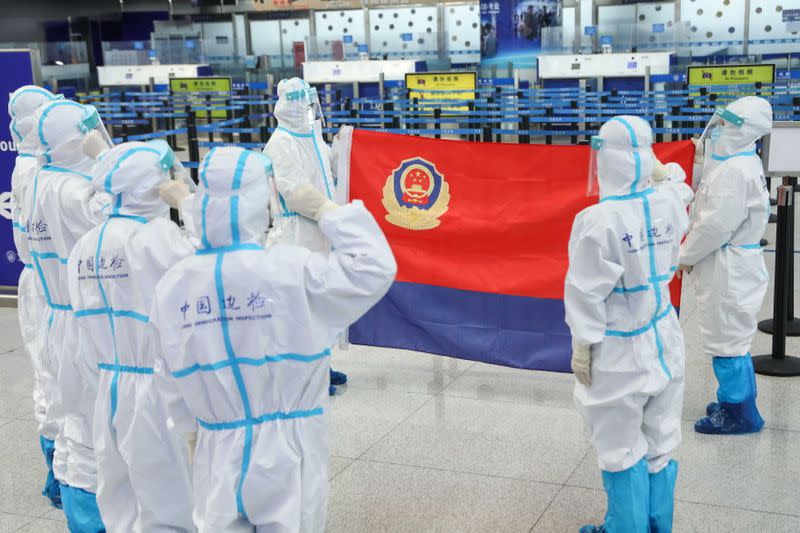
[(731, 74), (442, 86), (220, 85)]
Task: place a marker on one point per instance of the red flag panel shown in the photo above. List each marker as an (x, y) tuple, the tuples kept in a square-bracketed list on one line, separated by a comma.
[(504, 216)]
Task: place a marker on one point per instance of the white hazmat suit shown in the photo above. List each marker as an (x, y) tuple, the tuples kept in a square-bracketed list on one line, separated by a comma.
[(113, 270), (245, 336), (31, 305), (299, 156), (728, 219), (623, 254), (64, 207)]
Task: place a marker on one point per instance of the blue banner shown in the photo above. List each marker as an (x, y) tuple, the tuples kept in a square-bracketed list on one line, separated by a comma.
[(17, 71), (512, 30)]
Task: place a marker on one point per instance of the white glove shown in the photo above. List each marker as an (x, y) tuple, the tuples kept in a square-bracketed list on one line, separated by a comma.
[(94, 145), (660, 172), (699, 151), (191, 445), (684, 268), (309, 202), (582, 363), (173, 192)]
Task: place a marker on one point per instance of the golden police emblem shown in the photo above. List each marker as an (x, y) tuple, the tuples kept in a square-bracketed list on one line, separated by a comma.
[(416, 195)]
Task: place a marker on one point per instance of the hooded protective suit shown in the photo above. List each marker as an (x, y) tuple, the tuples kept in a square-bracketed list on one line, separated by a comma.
[(144, 482), (299, 156), (728, 219), (31, 304), (623, 253), (64, 207), (245, 336)]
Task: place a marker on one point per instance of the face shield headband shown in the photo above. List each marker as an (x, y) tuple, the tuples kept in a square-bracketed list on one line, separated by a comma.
[(170, 163), (597, 145), (309, 97)]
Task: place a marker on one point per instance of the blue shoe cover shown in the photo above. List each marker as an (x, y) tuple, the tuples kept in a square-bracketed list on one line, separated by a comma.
[(732, 419), (592, 529), (736, 413), (662, 498), (80, 508), (628, 500), (331, 390), (338, 378), (52, 488), (712, 408)]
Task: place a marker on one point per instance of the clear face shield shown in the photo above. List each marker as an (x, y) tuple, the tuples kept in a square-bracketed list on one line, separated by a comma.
[(309, 99), (96, 138), (599, 145), (171, 164), (593, 182), (713, 129)]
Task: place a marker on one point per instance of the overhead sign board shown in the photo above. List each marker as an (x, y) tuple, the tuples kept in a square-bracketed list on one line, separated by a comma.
[(731, 74)]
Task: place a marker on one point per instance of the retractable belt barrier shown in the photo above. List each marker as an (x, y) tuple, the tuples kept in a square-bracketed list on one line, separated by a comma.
[(502, 113)]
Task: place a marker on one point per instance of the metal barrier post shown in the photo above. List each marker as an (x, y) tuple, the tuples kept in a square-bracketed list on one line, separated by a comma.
[(470, 124), (573, 138), (778, 363), (229, 113), (497, 99), (191, 133), (792, 323), (247, 124), (526, 125), (686, 124), (659, 125), (437, 116)]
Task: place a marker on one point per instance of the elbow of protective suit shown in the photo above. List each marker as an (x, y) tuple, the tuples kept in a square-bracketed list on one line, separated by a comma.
[(703, 239), (353, 232)]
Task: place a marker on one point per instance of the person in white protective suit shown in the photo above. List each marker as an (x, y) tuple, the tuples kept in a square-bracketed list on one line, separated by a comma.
[(31, 303), (245, 337), (300, 156), (728, 219), (64, 207), (113, 270), (628, 349)]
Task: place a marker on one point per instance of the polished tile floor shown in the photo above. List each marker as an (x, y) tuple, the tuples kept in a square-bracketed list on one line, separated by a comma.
[(428, 443)]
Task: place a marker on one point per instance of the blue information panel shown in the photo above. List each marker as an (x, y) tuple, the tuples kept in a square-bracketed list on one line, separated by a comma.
[(791, 15), (17, 71), (512, 32)]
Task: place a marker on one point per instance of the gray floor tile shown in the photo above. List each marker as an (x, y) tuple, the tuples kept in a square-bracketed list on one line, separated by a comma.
[(573, 508), (758, 472), (55, 514), (372, 497), (338, 464), (22, 470), (42, 525), (488, 437), (12, 522), (697, 518), (16, 385), (362, 417), (398, 370), (492, 382), (10, 336)]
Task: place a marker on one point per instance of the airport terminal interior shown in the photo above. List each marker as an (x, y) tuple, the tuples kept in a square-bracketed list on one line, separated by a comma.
[(396, 265)]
